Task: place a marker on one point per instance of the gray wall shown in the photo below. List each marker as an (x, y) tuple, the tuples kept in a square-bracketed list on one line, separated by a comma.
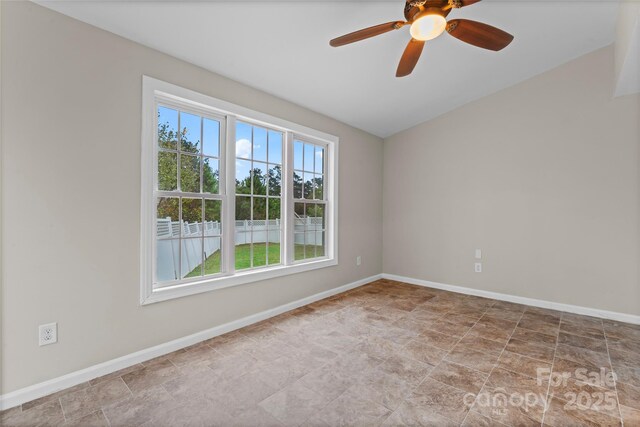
[(542, 176), (71, 98)]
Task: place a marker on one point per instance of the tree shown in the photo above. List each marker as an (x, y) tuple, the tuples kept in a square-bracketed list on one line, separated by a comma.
[(189, 176)]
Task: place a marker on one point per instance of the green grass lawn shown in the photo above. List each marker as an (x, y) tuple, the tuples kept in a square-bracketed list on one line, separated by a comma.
[(243, 257)]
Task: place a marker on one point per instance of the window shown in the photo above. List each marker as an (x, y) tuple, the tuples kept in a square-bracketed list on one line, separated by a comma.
[(229, 195), (258, 196)]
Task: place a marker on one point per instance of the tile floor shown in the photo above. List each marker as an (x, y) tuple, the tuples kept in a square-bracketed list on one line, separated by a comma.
[(386, 353)]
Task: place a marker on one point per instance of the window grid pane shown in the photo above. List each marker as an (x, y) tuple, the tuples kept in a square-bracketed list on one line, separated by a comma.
[(189, 229), (258, 215), (309, 201)]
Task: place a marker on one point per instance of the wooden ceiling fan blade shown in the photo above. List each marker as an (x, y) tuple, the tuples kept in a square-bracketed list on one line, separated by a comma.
[(410, 57), (479, 34), (365, 33), (468, 2)]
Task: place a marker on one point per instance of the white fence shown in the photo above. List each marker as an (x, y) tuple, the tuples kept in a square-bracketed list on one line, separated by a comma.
[(171, 249)]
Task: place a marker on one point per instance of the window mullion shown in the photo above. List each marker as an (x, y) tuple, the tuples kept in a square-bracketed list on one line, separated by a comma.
[(286, 203), (229, 215)]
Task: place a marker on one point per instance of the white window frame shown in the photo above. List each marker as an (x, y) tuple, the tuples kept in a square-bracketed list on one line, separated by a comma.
[(154, 90)]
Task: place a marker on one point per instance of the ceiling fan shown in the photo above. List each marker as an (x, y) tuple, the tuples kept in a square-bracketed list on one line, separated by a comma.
[(427, 19)]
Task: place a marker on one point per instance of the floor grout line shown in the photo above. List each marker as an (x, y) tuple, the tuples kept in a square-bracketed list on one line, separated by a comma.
[(553, 361), (614, 376)]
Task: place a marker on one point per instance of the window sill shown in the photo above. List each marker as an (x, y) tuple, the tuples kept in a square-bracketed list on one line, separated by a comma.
[(241, 278)]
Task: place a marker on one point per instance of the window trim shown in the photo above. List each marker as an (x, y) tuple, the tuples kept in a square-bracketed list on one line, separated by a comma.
[(152, 89)]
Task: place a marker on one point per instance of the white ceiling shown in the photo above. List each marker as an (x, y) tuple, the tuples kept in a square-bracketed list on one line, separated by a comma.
[(283, 48)]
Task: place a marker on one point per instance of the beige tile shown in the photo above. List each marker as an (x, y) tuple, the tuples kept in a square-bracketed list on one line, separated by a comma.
[(472, 342), (459, 376), (509, 408), (294, 404), (598, 345), (513, 381), (255, 416), (624, 358), (423, 352), (193, 412), (151, 375), (90, 399), (598, 376), (94, 419), (54, 396), (621, 330), (378, 347), (595, 332), (442, 399), (246, 391), (394, 334), (586, 396), (475, 419), (491, 332), (472, 358), (46, 414), (628, 395), (449, 328), (630, 416), (561, 413), (406, 369), (353, 409), (460, 319), (523, 365), (386, 389), (340, 341), (409, 414), (201, 355), (140, 408), (534, 337), (328, 382), (498, 322), (234, 366), (283, 371), (436, 339), (580, 320), (529, 349), (537, 326), (116, 374), (582, 356), (628, 375), (625, 345)]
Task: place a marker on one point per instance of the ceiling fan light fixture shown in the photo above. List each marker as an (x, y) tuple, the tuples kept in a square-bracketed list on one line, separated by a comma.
[(428, 26)]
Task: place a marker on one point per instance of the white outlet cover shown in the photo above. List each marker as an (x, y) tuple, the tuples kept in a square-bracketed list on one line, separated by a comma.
[(48, 334), (478, 267), (358, 260), (478, 254)]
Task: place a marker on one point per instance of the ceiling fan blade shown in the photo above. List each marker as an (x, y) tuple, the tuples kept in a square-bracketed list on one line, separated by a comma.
[(410, 57), (365, 33), (468, 2), (479, 34)]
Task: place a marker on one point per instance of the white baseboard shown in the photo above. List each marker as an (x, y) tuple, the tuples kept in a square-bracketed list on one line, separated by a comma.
[(45, 388), (587, 311)]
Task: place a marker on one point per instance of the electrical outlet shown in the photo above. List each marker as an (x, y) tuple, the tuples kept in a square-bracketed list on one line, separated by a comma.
[(478, 266), (48, 334), (358, 260), (478, 254)]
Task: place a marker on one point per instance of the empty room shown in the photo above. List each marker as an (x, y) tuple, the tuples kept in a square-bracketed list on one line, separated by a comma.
[(320, 213)]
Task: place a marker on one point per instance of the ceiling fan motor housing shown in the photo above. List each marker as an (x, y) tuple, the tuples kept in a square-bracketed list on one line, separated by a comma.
[(416, 8)]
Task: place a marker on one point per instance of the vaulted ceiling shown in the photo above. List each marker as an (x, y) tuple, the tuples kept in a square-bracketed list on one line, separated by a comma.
[(283, 48)]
